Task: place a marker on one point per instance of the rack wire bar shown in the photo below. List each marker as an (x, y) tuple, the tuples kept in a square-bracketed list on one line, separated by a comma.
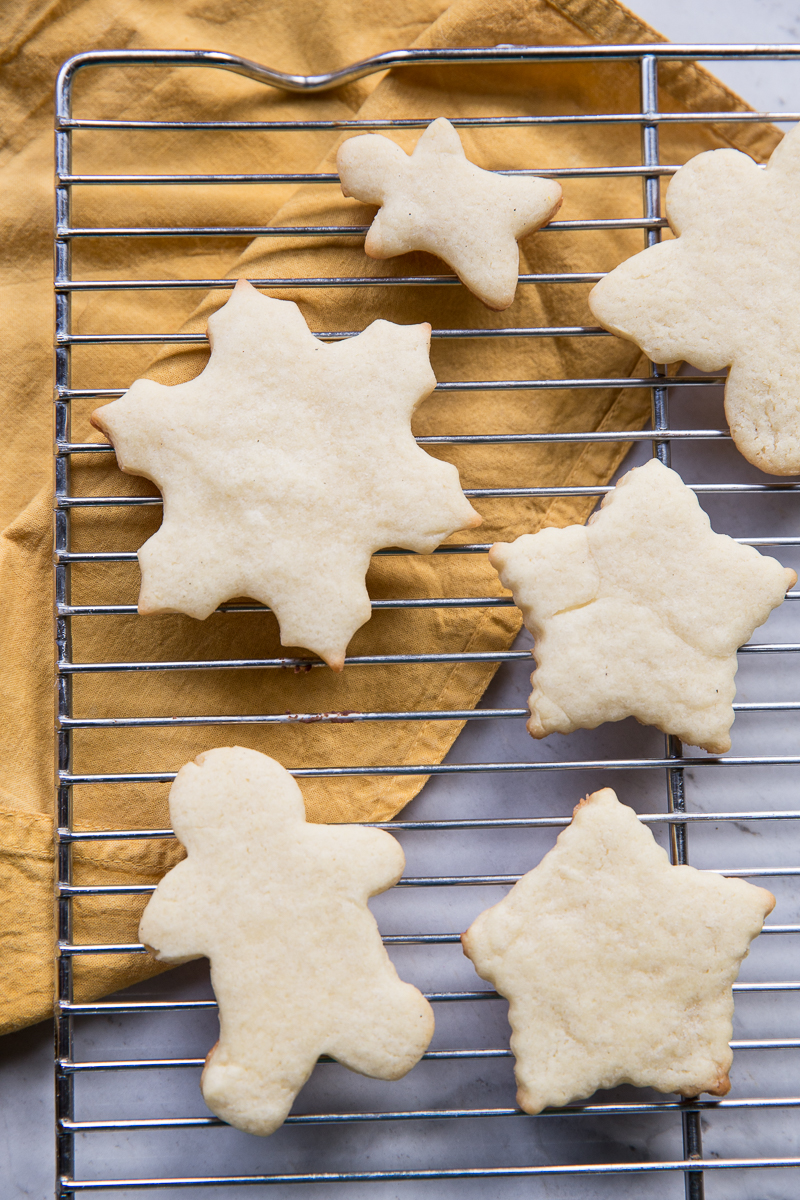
[(328, 177), (318, 231), (106, 1008), (445, 1113), (160, 1064), (408, 881), (341, 718), (474, 385), (692, 1133), (65, 1092), (117, 610), (364, 660), (345, 1118), (420, 122), (93, 835), (72, 1186), (109, 556), (617, 764), (674, 762), (354, 281), (184, 339), (472, 493), (439, 939), (496, 439)]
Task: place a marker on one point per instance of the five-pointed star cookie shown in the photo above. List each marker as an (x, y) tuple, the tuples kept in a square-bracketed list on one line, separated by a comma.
[(617, 966), (725, 293), (279, 906), (639, 613), (437, 200), (284, 465)]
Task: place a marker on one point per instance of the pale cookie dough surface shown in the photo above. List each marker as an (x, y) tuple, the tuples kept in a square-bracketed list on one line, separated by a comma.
[(640, 612), (280, 908), (725, 293), (283, 466), (617, 965), (436, 200)]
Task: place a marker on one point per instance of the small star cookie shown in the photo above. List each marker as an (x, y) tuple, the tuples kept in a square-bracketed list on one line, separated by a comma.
[(280, 908), (639, 613), (284, 465), (617, 966), (437, 200), (724, 293)]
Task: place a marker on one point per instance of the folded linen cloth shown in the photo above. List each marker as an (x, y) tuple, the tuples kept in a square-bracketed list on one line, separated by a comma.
[(303, 38)]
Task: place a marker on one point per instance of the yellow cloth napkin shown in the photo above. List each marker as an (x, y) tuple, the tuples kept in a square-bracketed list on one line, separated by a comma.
[(303, 38)]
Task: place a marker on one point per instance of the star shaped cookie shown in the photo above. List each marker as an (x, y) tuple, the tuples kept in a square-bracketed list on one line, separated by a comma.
[(283, 466), (437, 200), (279, 906), (617, 966), (639, 613), (725, 292)]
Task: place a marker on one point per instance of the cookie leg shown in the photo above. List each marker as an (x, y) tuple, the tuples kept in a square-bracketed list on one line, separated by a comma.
[(387, 1035), (253, 1096), (762, 405)]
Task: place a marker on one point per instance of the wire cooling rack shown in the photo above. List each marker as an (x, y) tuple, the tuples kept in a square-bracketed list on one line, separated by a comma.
[(431, 1145)]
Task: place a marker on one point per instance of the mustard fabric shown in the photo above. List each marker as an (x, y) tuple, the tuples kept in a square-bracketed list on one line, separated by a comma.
[(316, 35)]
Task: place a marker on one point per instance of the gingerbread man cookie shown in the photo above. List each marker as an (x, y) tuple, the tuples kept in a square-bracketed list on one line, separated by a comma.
[(280, 908)]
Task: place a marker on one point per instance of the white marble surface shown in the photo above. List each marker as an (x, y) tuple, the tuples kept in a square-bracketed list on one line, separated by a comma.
[(26, 1108)]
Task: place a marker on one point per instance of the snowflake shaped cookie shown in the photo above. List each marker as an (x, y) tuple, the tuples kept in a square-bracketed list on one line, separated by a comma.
[(437, 200), (639, 613), (279, 906), (284, 465), (617, 966), (725, 293)]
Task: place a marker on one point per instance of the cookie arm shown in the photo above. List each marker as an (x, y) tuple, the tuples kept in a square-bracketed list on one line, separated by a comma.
[(371, 860), (172, 923), (487, 941), (653, 300), (368, 165)]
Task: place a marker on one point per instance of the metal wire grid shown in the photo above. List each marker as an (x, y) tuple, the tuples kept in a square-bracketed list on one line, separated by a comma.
[(673, 761)]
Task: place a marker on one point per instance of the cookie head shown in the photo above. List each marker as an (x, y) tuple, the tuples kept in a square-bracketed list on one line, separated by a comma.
[(230, 793), (724, 293)]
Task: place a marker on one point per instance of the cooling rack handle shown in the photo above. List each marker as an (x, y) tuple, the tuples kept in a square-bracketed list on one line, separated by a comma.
[(392, 58)]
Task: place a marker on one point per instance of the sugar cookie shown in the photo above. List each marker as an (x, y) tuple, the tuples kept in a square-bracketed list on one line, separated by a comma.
[(617, 965), (280, 908), (437, 200), (725, 293), (640, 612), (284, 465)]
